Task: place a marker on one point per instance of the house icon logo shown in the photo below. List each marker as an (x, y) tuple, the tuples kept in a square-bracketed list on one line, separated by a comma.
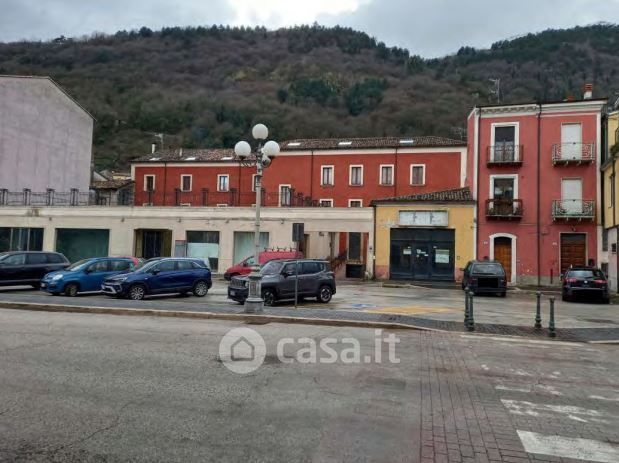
[(242, 350)]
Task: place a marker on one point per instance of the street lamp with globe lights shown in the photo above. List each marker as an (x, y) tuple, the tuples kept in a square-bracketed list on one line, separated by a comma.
[(261, 158)]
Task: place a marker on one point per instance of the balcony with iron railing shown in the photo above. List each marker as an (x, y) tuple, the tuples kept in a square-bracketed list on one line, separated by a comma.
[(505, 155), (74, 197), (573, 209), (573, 153), (504, 209)]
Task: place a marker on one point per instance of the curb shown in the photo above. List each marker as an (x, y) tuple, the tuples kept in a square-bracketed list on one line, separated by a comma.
[(249, 318)]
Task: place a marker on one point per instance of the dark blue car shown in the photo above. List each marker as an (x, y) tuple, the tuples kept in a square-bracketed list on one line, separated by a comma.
[(163, 276), (85, 276)]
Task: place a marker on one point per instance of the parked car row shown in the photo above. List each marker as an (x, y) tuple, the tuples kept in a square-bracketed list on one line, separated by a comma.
[(115, 276), (485, 276)]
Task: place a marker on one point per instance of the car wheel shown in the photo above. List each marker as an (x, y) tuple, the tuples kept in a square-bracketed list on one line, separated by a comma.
[(503, 294), (200, 289), (565, 298), (325, 294), (137, 292), (268, 296), (71, 290), (606, 300)]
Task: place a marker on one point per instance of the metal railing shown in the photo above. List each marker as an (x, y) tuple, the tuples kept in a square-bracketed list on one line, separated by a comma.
[(573, 209), (505, 154), (52, 198), (504, 208), (573, 153)]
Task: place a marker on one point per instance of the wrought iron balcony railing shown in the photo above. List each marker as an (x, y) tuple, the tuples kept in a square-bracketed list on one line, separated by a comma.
[(504, 209), (508, 155), (62, 199), (573, 153), (577, 209)]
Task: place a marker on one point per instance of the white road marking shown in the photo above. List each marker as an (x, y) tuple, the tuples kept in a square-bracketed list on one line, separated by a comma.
[(599, 397), (521, 407), (568, 447), (513, 389), (525, 341), (550, 389), (485, 367)]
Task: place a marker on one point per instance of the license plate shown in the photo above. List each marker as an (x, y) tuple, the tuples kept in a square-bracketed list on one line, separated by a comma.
[(232, 293)]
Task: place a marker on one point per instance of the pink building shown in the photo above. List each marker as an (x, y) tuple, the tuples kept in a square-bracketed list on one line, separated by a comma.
[(535, 172)]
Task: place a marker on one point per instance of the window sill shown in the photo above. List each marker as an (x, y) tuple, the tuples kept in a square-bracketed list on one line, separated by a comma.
[(356, 185), (327, 186)]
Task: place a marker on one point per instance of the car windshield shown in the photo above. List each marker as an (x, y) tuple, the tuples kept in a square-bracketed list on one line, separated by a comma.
[(146, 266), (585, 274), (79, 265), (271, 268), (488, 269)]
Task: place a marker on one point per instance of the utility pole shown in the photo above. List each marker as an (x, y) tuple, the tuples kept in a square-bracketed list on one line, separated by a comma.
[(496, 91)]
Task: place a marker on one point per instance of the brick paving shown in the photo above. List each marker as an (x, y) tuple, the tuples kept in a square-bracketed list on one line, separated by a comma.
[(464, 420)]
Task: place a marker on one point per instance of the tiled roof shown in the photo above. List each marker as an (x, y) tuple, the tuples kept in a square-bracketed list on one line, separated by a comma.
[(189, 155), (376, 142), (458, 195), (110, 184)]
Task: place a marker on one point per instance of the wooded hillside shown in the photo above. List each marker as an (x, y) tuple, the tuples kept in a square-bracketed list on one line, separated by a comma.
[(206, 86)]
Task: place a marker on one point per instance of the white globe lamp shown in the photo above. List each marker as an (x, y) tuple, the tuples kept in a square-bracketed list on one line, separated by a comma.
[(242, 149), (271, 149), (260, 132)]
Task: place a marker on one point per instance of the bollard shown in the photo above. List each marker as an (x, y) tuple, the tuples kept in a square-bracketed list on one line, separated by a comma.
[(538, 311), (551, 322), (471, 326), (466, 307)]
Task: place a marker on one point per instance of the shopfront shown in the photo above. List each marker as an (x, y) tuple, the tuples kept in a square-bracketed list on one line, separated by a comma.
[(426, 237)]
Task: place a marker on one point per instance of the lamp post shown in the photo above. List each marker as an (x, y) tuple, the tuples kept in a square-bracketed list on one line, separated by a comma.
[(261, 158)]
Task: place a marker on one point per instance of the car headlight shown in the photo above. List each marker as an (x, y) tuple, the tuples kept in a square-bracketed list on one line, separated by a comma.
[(118, 280), (57, 277)]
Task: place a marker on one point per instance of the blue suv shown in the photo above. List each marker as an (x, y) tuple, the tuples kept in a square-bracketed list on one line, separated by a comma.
[(163, 276), (85, 276)]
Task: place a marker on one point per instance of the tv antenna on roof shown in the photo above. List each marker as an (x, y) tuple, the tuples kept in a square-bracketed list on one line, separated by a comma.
[(496, 91)]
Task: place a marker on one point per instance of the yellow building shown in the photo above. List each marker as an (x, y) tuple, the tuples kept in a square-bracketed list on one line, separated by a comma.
[(429, 236), (610, 212)]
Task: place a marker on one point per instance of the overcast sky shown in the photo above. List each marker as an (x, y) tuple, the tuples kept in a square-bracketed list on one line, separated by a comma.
[(427, 27)]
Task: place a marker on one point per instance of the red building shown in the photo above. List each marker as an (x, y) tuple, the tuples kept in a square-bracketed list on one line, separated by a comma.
[(321, 172), (535, 173)]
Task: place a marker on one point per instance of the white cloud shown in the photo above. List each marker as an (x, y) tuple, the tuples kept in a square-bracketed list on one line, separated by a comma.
[(438, 27)]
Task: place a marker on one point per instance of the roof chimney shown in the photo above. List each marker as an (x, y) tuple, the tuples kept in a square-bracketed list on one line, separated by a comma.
[(588, 92), (153, 148)]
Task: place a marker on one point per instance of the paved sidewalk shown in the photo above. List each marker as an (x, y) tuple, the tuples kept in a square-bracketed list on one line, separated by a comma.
[(320, 312)]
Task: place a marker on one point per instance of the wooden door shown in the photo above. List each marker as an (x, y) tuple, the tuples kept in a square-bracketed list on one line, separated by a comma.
[(503, 254), (573, 250)]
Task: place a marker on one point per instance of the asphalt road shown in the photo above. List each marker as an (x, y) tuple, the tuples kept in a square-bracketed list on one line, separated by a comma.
[(436, 304), (98, 388)]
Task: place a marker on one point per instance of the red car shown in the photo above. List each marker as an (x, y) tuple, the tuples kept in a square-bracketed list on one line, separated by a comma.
[(244, 267)]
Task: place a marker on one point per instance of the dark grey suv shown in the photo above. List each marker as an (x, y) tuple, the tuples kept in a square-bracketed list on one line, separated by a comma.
[(315, 279)]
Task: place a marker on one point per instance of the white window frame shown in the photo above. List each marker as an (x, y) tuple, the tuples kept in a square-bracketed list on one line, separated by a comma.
[(380, 174), (322, 169), (350, 168), (325, 199), (503, 176), (516, 126), (423, 176), (253, 182), (359, 200), (280, 194), (190, 181), (227, 183), (154, 177)]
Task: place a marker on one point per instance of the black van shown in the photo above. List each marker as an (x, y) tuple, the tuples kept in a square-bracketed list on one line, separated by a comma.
[(28, 267), (485, 276)]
